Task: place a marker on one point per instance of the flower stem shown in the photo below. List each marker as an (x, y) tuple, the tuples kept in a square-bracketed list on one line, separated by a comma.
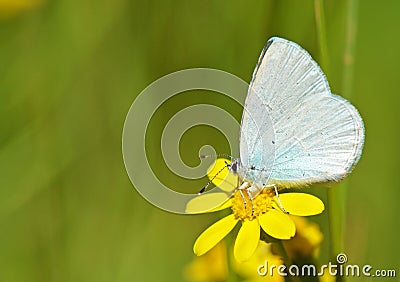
[(348, 58), (336, 208), (336, 196), (321, 33), (347, 90), (283, 253), (286, 260)]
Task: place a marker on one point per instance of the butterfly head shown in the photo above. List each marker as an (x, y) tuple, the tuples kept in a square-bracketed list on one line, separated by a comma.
[(233, 166)]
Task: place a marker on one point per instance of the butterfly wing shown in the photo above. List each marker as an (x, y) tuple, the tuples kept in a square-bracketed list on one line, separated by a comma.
[(294, 131)]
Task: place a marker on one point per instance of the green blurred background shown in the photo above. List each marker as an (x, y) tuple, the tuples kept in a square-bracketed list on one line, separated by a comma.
[(69, 73)]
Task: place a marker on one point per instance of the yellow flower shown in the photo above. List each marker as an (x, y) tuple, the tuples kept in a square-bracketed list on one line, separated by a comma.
[(212, 267), (262, 266), (327, 277), (250, 269), (226, 183), (9, 8), (264, 212), (307, 240)]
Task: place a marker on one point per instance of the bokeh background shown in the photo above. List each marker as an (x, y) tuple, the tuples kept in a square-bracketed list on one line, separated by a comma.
[(69, 71)]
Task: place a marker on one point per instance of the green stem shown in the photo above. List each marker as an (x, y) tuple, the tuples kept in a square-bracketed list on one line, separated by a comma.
[(336, 209), (282, 251), (321, 33), (337, 228), (286, 260), (349, 50), (336, 197)]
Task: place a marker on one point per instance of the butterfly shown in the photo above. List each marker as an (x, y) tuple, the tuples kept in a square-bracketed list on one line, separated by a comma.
[(294, 131)]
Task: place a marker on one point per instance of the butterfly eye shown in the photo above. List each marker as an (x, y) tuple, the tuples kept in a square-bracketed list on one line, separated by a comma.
[(234, 167)]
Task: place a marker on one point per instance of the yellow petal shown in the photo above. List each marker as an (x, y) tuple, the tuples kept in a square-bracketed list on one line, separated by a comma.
[(301, 204), (277, 224), (221, 177), (208, 202), (213, 234), (247, 240), (263, 255), (227, 204)]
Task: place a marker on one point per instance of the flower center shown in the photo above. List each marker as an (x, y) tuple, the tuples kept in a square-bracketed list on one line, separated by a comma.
[(249, 211)]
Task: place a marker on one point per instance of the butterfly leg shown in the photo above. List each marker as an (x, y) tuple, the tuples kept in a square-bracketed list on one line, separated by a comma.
[(251, 200), (277, 196), (243, 198), (241, 188)]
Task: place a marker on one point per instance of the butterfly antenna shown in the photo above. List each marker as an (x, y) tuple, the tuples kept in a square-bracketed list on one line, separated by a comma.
[(215, 156), (211, 180)]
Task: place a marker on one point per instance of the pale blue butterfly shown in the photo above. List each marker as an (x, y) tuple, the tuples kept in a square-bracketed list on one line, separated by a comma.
[(294, 131)]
